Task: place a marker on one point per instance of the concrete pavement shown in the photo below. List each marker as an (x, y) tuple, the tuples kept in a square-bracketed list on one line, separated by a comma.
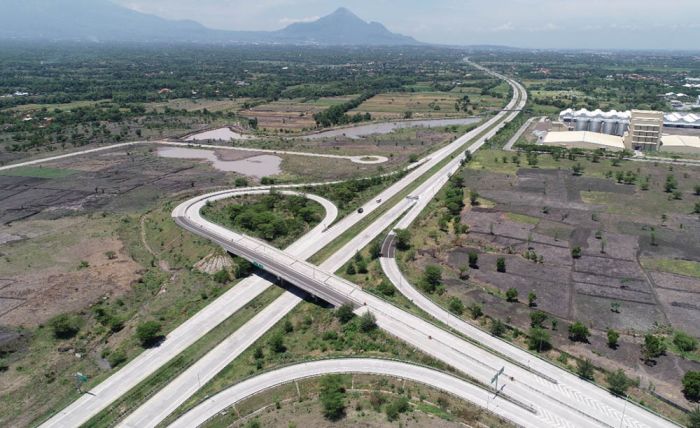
[(467, 391)]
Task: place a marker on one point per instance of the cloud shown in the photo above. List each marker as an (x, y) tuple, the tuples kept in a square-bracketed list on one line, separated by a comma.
[(288, 21)]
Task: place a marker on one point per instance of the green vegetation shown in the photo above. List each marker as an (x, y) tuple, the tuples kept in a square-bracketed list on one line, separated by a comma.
[(613, 337), (148, 333), (65, 326), (578, 332), (679, 267), (277, 218), (691, 385), (38, 172), (618, 382), (653, 347), (332, 397)]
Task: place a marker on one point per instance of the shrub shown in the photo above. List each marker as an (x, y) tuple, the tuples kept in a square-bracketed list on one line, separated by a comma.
[(368, 322), (276, 343), (653, 347), (531, 299), (222, 276), (501, 264), (498, 328), (694, 418), (345, 313), (538, 340), (396, 407), (537, 319), (576, 252), (385, 288), (578, 332), (116, 358), (685, 342), (618, 382), (613, 336), (148, 333), (475, 310), (65, 326), (456, 306), (473, 260), (332, 397), (512, 295), (403, 239), (585, 369), (691, 385), (432, 277)]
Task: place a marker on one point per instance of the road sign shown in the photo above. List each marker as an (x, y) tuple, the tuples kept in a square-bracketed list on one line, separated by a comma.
[(498, 373)]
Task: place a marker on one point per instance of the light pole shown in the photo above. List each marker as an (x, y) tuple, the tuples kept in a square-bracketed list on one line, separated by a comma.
[(624, 409)]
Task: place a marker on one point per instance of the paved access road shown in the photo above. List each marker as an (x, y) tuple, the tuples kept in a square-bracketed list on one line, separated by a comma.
[(434, 378), (355, 159)]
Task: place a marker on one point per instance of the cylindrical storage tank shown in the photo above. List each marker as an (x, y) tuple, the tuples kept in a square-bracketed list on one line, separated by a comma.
[(609, 127), (624, 127), (581, 124), (596, 125)]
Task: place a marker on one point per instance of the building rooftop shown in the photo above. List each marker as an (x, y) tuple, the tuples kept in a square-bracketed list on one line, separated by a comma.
[(568, 137)]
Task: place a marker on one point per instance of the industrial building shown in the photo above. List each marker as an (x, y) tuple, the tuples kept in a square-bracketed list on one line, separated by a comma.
[(644, 133), (617, 122)]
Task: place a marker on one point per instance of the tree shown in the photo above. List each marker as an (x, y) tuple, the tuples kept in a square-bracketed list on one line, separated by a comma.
[(531, 299), (362, 267), (537, 319), (538, 340), (576, 252), (65, 326), (501, 264), (578, 169), (691, 385), (403, 239), (613, 336), (671, 183), (578, 332), (332, 397), (473, 260), (653, 347), (456, 306), (498, 328), (618, 382), (585, 369), (697, 208), (148, 333), (432, 277), (276, 343), (368, 322), (685, 342), (345, 313), (512, 295)]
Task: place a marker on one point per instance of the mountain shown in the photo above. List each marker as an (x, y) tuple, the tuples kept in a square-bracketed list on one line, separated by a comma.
[(343, 27), (102, 20)]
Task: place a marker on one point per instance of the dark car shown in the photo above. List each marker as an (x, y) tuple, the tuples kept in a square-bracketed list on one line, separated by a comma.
[(360, 210)]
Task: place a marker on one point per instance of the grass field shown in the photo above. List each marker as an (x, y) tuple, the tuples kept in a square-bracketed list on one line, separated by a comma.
[(38, 172), (679, 267)]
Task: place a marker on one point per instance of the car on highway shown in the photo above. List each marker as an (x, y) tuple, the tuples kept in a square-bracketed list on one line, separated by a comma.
[(360, 210)]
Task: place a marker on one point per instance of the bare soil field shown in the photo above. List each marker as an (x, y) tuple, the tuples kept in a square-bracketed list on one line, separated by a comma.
[(637, 271), (290, 115)]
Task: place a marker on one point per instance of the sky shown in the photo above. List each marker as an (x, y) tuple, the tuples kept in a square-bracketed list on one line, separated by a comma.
[(581, 24)]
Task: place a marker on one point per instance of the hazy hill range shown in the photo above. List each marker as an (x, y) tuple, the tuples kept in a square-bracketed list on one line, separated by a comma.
[(102, 20)]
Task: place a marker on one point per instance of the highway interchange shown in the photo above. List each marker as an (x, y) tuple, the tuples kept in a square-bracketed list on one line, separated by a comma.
[(534, 393)]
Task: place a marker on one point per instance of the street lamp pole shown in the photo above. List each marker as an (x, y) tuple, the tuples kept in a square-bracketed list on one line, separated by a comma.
[(624, 409)]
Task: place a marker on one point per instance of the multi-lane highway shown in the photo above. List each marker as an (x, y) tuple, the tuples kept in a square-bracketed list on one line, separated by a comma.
[(554, 403)]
